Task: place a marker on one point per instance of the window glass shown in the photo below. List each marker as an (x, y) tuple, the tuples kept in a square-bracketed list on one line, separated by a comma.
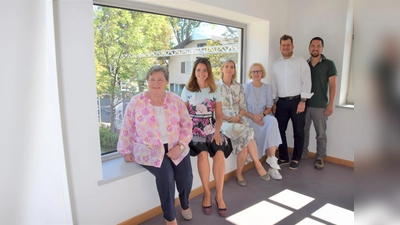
[(129, 42)]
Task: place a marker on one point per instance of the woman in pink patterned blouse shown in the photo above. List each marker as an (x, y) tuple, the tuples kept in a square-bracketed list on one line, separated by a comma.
[(155, 133)]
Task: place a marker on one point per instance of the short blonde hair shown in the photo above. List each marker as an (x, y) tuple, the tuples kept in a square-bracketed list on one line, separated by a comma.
[(234, 66), (264, 74)]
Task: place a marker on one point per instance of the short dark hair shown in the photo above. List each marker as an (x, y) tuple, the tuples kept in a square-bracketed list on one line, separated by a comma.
[(285, 37), (318, 39)]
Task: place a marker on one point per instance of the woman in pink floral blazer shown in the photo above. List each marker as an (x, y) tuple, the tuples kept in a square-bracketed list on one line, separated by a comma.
[(155, 133)]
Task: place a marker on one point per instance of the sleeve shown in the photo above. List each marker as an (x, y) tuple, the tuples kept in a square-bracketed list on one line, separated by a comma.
[(305, 79), (273, 83), (127, 132), (242, 99), (217, 95), (332, 69), (186, 124), (184, 95), (270, 101)]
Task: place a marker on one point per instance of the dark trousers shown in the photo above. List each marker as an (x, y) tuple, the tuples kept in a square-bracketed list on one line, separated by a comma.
[(285, 110), (166, 176)]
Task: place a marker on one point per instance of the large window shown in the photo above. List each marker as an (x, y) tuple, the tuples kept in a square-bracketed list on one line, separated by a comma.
[(129, 42)]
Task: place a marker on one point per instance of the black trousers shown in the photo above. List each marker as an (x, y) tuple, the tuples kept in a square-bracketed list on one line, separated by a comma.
[(166, 177), (285, 110)]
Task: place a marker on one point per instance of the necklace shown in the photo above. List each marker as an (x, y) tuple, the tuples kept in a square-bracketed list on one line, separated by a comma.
[(255, 93)]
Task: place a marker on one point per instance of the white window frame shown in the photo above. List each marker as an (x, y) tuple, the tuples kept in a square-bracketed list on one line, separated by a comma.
[(350, 88), (346, 97)]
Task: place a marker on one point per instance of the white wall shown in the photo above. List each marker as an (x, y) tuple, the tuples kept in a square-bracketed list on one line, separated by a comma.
[(326, 19), (302, 20), (118, 201), (23, 118)]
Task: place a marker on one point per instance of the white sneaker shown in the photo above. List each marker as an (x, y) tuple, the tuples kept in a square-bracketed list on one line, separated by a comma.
[(273, 162), (274, 173)]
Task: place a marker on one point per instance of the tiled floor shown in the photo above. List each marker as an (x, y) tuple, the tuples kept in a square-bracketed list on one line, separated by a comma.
[(305, 196)]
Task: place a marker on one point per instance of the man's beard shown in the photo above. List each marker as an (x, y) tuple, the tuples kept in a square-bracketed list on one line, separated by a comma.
[(313, 54)]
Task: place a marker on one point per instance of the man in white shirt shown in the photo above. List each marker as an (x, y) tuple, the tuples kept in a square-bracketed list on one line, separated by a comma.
[(291, 87)]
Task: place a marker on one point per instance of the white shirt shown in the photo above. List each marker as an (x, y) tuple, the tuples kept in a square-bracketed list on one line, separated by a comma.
[(291, 77), (160, 116)]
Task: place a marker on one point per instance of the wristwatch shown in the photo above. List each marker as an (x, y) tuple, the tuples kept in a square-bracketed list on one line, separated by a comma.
[(181, 147), (264, 114), (303, 100)]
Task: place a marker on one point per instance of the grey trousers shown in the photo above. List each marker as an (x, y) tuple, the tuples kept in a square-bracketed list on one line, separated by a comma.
[(318, 118)]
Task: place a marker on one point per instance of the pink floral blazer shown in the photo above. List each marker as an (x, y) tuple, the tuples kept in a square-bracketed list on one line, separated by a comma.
[(140, 133)]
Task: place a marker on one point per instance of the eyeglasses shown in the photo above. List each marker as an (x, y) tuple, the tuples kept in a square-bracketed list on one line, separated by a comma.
[(256, 71)]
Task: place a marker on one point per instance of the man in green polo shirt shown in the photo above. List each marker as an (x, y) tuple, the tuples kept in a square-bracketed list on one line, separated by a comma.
[(320, 105)]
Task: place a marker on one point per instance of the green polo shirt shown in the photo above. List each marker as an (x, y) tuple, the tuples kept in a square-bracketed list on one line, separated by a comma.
[(320, 74)]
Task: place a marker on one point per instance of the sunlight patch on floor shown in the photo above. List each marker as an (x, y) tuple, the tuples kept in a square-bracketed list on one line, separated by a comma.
[(260, 213), (309, 221), (291, 199), (334, 214)]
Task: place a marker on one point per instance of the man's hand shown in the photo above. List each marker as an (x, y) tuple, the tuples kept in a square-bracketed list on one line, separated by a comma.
[(328, 110), (301, 107), (274, 109)]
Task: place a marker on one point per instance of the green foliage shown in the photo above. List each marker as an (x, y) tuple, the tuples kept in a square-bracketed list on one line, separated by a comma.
[(218, 59), (108, 140), (183, 28), (120, 35)]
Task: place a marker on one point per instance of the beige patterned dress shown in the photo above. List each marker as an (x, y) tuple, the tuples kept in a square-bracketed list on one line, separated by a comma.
[(233, 100)]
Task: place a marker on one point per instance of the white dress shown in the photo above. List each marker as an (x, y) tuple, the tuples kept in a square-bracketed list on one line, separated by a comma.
[(257, 100), (233, 101)]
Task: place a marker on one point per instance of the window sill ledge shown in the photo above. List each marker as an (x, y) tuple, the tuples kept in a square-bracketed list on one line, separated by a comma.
[(116, 168), (345, 106)]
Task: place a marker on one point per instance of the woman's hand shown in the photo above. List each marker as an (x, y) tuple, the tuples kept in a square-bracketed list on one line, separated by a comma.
[(227, 118), (234, 119), (261, 123), (174, 152), (129, 158), (217, 138), (257, 118)]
